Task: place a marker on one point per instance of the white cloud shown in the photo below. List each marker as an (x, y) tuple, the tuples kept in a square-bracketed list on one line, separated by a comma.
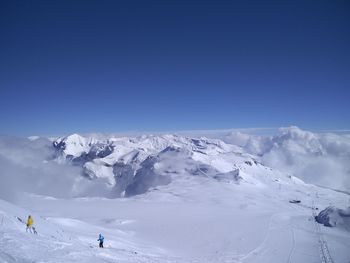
[(319, 158), (24, 169)]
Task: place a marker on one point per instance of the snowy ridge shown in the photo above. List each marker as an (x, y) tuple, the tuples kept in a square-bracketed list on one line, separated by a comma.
[(132, 165), (315, 158)]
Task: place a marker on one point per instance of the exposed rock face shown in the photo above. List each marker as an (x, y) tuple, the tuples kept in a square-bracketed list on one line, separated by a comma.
[(332, 216), (124, 174), (146, 177)]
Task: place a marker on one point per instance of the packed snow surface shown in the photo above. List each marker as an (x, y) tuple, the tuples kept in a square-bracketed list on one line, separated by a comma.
[(189, 220)]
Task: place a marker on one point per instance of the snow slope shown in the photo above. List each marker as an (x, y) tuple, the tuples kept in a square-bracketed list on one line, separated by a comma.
[(192, 219), (66, 240)]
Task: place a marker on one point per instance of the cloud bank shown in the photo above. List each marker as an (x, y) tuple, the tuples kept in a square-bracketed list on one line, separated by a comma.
[(25, 168), (318, 158)]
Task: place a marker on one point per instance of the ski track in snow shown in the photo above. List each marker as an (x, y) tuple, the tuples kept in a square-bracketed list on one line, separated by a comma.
[(324, 251)]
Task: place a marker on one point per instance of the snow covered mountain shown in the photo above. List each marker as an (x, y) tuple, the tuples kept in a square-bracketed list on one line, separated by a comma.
[(133, 165), (187, 199), (315, 158)]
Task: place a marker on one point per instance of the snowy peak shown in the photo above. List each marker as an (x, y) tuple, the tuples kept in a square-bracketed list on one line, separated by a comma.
[(131, 165), (76, 146), (72, 145)]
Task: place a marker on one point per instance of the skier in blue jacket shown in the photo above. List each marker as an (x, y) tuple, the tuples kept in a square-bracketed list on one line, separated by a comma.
[(100, 238)]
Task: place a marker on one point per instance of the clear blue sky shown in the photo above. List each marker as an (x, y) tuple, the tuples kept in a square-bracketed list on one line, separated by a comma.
[(109, 66)]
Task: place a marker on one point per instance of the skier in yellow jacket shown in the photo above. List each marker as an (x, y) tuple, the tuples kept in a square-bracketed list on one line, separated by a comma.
[(30, 222)]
